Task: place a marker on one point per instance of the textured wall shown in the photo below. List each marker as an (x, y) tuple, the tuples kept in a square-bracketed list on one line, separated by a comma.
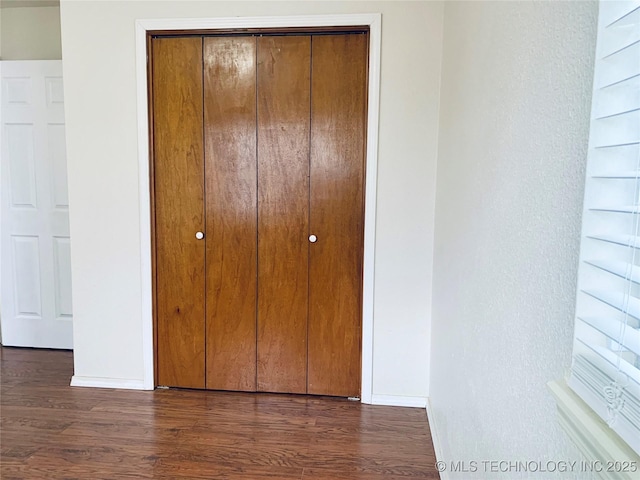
[(30, 33), (100, 101), (516, 94)]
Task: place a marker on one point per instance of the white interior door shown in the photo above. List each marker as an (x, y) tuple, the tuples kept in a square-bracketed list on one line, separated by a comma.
[(35, 252)]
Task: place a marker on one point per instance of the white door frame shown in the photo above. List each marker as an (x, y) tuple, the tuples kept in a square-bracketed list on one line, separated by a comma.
[(373, 21)]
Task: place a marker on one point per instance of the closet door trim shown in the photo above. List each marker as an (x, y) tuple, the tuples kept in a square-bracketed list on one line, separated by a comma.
[(172, 26)]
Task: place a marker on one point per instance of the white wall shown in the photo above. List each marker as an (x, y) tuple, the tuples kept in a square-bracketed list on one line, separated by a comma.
[(30, 33), (516, 94), (100, 98)]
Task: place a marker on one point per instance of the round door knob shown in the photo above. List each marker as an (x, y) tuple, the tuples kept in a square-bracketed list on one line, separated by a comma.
[(313, 238), (199, 235)]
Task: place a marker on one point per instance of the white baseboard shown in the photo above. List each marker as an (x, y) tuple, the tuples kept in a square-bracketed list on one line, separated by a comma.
[(398, 401), (101, 382), (435, 438)]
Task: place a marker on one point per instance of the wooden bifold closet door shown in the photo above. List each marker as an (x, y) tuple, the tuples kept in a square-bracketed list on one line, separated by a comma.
[(258, 161)]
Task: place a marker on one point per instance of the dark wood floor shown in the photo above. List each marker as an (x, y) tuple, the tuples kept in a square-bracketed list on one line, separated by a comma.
[(50, 430)]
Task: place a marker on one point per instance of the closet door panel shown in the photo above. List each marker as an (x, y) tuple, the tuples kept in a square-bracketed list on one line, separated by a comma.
[(338, 109), (179, 210), (231, 203), (283, 201)]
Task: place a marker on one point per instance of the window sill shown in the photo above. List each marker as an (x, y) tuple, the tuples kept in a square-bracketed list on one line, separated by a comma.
[(599, 445)]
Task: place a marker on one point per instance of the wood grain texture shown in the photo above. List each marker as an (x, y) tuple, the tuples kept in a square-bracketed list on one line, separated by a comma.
[(152, 202), (283, 207), (53, 431), (231, 206), (338, 109), (179, 210)]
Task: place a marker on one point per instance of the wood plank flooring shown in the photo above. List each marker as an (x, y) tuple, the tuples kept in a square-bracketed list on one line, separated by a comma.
[(52, 431)]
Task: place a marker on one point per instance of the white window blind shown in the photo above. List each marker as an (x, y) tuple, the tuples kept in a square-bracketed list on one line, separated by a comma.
[(606, 353)]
